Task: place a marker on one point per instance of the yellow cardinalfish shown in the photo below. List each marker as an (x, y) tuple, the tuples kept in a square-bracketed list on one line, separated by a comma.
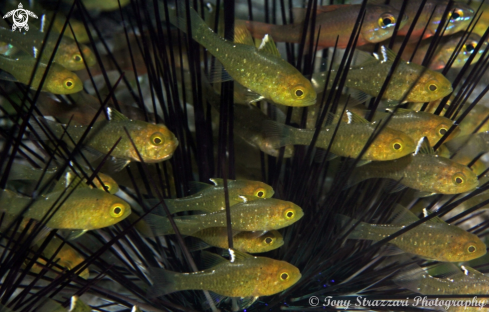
[(251, 242), (415, 124), (83, 209), (334, 21), (423, 171), (258, 215), (210, 198), (242, 276), (66, 257), (409, 82), (155, 143), (444, 50), (261, 70), (433, 240), (67, 55), (459, 17), (58, 80), (24, 172), (349, 141), (466, 282)]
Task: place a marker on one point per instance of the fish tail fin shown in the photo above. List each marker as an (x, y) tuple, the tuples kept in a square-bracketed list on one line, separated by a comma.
[(277, 134), (410, 277), (164, 282), (199, 28), (359, 232)]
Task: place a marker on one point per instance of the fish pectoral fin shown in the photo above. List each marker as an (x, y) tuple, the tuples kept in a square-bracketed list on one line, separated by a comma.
[(117, 164), (363, 162), (359, 96), (219, 73), (391, 250), (245, 302), (268, 46), (209, 260)]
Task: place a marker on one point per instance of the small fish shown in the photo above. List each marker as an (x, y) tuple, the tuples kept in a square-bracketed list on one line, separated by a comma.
[(349, 141), (66, 257), (210, 198), (423, 171), (415, 124), (333, 21), (469, 145), (261, 70), (250, 242), (67, 55), (409, 82), (466, 282), (242, 276), (458, 18), (84, 209), (258, 215), (433, 240), (474, 119), (155, 143), (58, 80), (24, 172)]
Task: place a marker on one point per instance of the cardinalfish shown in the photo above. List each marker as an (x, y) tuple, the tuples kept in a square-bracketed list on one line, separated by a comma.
[(423, 171), (58, 79), (242, 276), (335, 21), (24, 172), (262, 70), (257, 215), (155, 143), (82, 209), (349, 141), (415, 124), (409, 82), (251, 242), (67, 55), (458, 19), (433, 240), (210, 198)]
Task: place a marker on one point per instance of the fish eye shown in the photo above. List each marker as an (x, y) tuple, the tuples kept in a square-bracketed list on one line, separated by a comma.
[(289, 214), (107, 187), (69, 83), (77, 58), (457, 13), (157, 139), (442, 131), (260, 192), (117, 210), (387, 20), (471, 249), (432, 87), (268, 240), (469, 47), (397, 145), (284, 276), (458, 178), (299, 93)]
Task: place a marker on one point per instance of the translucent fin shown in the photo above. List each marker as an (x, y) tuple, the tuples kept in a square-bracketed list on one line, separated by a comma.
[(210, 260), (75, 234), (117, 164), (219, 73), (278, 134), (136, 309), (424, 147), (115, 115), (78, 306), (164, 282), (363, 162), (402, 215), (268, 46), (410, 277), (358, 232), (242, 34)]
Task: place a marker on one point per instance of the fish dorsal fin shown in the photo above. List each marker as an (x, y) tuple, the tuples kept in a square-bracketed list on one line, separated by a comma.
[(136, 309), (424, 147), (115, 115), (238, 256), (399, 110), (218, 182), (268, 46), (78, 306), (74, 181), (434, 219), (355, 119), (402, 215), (209, 259), (330, 8), (242, 34), (387, 54)]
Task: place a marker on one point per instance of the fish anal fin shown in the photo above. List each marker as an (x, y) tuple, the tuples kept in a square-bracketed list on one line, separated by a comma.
[(219, 73)]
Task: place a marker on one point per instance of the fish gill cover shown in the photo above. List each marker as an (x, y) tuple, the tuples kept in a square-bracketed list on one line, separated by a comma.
[(243, 155)]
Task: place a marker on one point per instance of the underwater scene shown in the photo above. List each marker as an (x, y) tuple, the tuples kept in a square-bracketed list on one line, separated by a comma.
[(248, 155)]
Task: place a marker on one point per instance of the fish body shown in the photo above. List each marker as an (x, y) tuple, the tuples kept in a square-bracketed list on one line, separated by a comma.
[(459, 18), (262, 71), (67, 55), (259, 215), (423, 171), (83, 209), (415, 124), (434, 239), (155, 143), (350, 139), (58, 79), (249, 242), (409, 83), (474, 119), (243, 276), (336, 21)]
